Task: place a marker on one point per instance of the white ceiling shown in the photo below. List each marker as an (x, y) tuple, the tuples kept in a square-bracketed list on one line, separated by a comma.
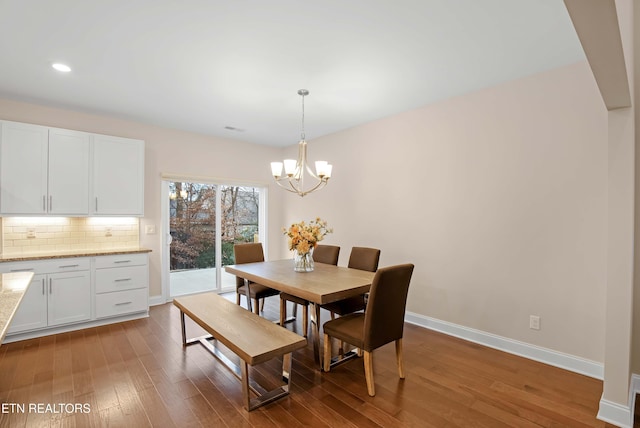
[(202, 65)]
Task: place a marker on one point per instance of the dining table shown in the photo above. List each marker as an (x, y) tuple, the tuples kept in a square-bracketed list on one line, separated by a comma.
[(325, 284)]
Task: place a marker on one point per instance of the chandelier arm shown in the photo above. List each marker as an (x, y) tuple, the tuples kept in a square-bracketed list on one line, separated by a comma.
[(292, 189), (318, 186)]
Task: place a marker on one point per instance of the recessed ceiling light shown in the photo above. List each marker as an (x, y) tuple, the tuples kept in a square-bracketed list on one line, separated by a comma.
[(61, 67)]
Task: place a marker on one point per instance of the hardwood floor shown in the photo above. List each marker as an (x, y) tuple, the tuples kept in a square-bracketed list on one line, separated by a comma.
[(137, 374)]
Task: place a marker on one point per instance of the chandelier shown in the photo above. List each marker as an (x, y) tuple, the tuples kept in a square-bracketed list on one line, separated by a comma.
[(294, 170)]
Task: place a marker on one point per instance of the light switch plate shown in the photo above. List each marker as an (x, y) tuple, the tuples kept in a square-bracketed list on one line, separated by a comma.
[(150, 229)]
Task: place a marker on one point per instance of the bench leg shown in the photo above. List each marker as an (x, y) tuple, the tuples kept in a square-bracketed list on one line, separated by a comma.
[(242, 372), (244, 379)]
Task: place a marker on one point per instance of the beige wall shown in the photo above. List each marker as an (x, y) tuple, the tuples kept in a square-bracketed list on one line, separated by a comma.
[(498, 197), (166, 151)]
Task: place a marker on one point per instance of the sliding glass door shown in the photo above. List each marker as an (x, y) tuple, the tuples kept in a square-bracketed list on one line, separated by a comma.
[(205, 221)]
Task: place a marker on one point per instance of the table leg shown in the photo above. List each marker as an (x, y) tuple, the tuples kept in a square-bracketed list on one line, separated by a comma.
[(184, 332), (315, 331), (248, 293)]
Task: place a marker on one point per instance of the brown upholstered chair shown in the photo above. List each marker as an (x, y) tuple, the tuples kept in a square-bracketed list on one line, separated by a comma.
[(362, 258), (250, 253), (328, 254), (382, 321)]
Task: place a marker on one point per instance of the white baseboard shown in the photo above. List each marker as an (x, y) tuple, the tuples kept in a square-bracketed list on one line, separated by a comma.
[(156, 300), (533, 352), (73, 327), (614, 413)]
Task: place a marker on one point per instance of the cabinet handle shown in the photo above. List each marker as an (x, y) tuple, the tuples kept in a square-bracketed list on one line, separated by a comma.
[(44, 203), (50, 203), (22, 270), (122, 280), (123, 303), (43, 286), (122, 261), (67, 266), (49, 285), (96, 204)]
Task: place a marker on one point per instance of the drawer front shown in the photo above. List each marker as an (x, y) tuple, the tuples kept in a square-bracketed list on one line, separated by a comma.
[(122, 302), (121, 260), (47, 266), (124, 278)]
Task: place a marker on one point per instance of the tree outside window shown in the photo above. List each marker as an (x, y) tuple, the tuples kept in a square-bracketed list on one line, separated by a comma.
[(193, 222)]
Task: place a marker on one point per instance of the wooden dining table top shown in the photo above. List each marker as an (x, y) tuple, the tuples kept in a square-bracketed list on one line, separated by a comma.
[(325, 284)]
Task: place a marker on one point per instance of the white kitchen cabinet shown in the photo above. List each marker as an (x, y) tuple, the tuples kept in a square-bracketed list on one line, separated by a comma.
[(69, 297), (72, 293), (68, 172), (60, 293), (118, 176), (23, 168), (122, 284), (43, 170), (32, 312)]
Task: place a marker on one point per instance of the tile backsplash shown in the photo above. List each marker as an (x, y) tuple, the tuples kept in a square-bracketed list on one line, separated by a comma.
[(23, 235)]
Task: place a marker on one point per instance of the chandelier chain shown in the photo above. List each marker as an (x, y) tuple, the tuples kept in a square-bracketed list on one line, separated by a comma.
[(302, 135)]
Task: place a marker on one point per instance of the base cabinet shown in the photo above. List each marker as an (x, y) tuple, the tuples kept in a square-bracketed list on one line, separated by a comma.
[(53, 299), (73, 293), (69, 298), (32, 312)]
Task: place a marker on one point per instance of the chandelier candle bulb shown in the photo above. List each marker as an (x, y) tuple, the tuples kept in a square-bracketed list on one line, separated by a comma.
[(276, 169), (290, 167), (321, 168)]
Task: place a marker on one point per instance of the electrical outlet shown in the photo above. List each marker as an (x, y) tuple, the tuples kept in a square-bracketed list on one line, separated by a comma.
[(31, 232), (107, 231), (534, 322)]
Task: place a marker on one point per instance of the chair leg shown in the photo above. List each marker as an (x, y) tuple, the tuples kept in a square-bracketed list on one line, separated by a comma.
[(305, 320), (237, 298), (256, 306), (262, 304), (283, 311), (368, 373), (327, 353), (399, 358)]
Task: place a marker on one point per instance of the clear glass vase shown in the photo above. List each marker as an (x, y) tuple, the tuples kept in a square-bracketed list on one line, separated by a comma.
[(303, 262)]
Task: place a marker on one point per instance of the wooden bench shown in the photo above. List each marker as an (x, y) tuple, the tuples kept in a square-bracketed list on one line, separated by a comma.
[(251, 337)]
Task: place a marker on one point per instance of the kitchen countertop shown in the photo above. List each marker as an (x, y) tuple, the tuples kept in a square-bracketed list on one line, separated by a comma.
[(68, 254), (12, 287)]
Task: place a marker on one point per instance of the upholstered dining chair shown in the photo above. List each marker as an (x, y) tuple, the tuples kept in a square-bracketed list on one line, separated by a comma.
[(382, 321), (362, 258), (250, 253), (327, 254)]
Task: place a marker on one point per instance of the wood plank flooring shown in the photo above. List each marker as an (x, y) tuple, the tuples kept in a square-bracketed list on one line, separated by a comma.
[(136, 374)]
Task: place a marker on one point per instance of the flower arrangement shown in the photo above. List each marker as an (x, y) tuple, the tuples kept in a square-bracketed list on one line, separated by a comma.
[(303, 237)]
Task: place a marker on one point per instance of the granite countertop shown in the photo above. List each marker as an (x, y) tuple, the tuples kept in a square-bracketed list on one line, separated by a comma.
[(68, 254), (12, 287)]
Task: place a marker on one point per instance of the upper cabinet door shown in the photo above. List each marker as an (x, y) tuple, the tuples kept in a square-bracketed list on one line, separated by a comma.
[(68, 172), (118, 176), (23, 168)]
